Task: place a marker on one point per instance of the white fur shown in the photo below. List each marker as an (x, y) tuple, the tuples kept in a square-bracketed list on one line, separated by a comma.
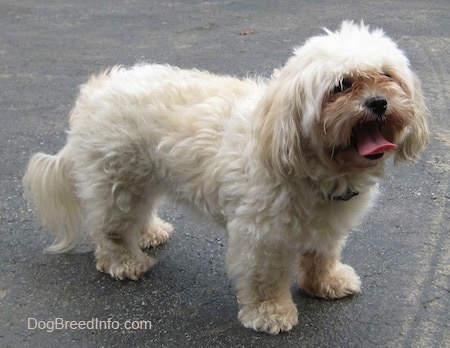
[(248, 153)]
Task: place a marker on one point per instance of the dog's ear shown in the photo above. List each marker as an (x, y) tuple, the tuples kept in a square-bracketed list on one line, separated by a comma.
[(277, 128), (417, 134)]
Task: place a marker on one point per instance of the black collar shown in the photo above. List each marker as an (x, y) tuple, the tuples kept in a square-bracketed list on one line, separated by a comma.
[(346, 196)]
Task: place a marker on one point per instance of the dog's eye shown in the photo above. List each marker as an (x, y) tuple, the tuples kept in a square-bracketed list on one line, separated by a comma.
[(342, 86), (387, 75)]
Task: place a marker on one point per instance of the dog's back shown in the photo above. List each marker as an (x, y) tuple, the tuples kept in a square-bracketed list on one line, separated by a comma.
[(130, 127)]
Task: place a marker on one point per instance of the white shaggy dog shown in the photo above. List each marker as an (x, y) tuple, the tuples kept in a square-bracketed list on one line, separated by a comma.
[(288, 166)]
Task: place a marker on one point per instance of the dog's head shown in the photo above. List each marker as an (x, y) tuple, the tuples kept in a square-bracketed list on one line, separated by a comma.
[(345, 101)]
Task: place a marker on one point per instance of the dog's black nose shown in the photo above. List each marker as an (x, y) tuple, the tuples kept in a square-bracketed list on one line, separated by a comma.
[(377, 105)]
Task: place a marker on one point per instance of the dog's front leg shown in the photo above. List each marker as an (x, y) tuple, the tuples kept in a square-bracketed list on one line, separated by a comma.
[(262, 275), (321, 274)]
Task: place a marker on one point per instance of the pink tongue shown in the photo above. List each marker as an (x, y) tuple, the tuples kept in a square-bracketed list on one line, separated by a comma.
[(369, 140)]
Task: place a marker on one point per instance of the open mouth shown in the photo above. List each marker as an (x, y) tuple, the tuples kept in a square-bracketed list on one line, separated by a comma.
[(369, 141)]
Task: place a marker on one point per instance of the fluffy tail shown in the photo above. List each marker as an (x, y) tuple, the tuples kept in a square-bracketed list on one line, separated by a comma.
[(48, 186)]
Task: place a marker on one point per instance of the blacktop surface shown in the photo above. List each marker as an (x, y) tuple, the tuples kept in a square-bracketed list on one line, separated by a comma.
[(402, 250)]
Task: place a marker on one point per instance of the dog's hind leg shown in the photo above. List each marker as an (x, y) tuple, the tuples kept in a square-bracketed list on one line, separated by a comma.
[(117, 205), (116, 235), (155, 232)]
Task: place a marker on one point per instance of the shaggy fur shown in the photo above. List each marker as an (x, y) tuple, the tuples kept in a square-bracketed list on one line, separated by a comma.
[(274, 162)]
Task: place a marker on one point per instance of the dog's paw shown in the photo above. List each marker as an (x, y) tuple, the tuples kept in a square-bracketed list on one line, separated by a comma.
[(269, 316), (131, 268), (342, 281), (156, 234)]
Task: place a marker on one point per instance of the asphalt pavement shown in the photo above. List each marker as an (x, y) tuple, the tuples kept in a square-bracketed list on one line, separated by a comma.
[(402, 250)]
